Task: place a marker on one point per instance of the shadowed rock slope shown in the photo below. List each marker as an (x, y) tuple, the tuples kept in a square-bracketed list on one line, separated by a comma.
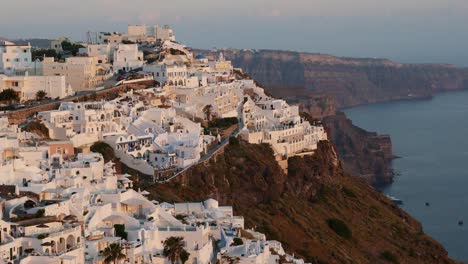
[(365, 154), (317, 211)]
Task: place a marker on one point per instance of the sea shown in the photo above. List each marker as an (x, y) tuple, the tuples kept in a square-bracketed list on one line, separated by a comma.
[(430, 138)]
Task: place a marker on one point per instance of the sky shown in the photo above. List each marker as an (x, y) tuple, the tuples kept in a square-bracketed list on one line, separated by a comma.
[(410, 31)]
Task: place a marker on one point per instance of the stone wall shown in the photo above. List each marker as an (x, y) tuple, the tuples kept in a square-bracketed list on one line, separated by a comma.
[(19, 116)]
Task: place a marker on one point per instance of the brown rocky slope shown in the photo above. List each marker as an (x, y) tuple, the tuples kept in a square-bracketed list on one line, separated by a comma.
[(300, 208)]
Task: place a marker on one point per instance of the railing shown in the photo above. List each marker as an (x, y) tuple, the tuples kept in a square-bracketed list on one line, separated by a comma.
[(178, 229)]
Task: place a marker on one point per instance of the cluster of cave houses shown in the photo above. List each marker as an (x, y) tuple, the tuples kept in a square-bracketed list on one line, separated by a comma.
[(60, 206), (158, 130)]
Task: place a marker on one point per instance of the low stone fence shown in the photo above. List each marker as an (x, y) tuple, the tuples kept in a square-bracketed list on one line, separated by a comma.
[(19, 116)]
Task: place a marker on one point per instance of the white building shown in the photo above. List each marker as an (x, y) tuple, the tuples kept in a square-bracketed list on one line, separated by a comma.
[(140, 33), (27, 86), (82, 123), (127, 57), (81, 73), (14, 58), (103, 52), (164, 33)]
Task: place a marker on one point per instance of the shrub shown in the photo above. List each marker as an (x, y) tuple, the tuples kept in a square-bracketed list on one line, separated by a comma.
[(233, 141), (339, 227), (389, 256), (349, 192), (120, 231)]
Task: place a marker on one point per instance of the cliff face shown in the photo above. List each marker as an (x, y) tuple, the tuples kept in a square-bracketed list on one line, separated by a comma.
[(301, 209), (350, 81), (363, 153)]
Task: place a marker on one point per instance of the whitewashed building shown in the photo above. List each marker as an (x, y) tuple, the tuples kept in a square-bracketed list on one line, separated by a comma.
[(14, 58), (127, 57), (27, 86)]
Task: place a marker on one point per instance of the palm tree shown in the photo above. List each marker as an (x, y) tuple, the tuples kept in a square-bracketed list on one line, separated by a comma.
[(40, 95), (113, 253), (207, 110), (174, 250)]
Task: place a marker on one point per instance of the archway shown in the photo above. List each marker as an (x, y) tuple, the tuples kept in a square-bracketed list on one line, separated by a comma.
[(61, 245), (70, 241)]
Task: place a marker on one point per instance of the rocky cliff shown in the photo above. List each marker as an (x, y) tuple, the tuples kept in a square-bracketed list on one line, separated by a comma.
[(363, 153), (350, 81), (316, 210)]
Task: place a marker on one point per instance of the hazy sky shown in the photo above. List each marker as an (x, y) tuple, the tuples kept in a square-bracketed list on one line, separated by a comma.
[(404, 30)]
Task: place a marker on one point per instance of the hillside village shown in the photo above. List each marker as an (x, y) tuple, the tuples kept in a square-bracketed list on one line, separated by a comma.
[(63, 203)]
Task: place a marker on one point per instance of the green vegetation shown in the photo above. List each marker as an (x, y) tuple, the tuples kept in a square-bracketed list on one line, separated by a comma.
[(105, 149), (174, 250), (71, 47), (237, 241), (120, 231), (223, 122), (41, 53), (348, 192), (339, 227), (40, 95), (9, 95), (113, 253), (233, 141), (389, 256)]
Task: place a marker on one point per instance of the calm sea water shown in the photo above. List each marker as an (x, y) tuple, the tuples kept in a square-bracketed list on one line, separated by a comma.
[(431, 137)]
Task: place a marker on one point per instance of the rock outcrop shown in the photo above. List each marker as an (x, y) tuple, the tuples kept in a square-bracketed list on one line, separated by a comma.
[(316, 210), (363, 153)]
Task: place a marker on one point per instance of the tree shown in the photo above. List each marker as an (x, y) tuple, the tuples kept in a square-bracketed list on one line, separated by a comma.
[(40, 53), (40, 95), (174, 250), (9, 95), (207, 110), (113, 253), (71, 47)]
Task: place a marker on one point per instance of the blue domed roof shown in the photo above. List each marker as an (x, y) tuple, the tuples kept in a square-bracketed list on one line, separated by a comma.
[(200, 57)]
